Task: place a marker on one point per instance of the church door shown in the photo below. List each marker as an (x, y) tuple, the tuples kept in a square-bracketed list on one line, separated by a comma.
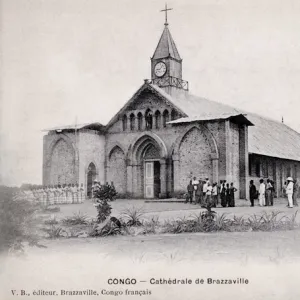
[(149, 179)]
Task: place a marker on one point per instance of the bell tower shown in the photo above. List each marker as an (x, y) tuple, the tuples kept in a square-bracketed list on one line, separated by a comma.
[(166, 63)]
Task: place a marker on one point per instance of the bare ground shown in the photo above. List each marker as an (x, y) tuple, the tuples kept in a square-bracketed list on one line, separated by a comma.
[(269, 260)]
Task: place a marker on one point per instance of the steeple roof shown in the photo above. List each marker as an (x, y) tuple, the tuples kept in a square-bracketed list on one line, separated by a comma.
[(166, 46)]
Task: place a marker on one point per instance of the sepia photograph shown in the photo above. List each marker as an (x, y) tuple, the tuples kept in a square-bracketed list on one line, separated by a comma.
[(149, 149)]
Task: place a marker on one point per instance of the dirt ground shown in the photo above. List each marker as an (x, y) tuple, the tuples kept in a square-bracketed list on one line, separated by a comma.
[(172, 210), (270, 261)]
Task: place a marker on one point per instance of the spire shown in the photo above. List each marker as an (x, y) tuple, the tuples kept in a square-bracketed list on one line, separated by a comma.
[(166, 46)]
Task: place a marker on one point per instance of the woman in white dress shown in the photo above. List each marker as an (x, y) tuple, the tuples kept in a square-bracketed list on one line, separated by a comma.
[(262, 191)]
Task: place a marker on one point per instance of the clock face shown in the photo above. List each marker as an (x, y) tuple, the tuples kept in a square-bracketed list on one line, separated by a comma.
[(160, 69)]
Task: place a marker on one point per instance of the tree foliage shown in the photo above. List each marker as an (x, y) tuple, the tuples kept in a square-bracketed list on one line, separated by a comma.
[(17, 221)]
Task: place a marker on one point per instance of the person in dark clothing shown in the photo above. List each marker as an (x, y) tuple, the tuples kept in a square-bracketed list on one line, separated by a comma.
[(190, 191), (272, 193), (223, 194), (228, 195), (295, 192), (232, 190), (252, 192), (199, 192)]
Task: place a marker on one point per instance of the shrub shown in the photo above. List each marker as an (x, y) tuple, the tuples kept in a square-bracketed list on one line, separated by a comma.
[(17, 221), (102, 194), (55, 232), (133, 216), (109, 227), (103, 210), (50, 209), (151, 226), (76, 219), (51, 221), (105, 192)]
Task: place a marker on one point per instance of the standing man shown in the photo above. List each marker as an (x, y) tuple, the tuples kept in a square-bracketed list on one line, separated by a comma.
[(289, 191), (268, 192), (262, 191), (199, 192), (195, 183), (190, 191), (215, 194), (208, 201), (252, 192), (295, 192), (205, 185)]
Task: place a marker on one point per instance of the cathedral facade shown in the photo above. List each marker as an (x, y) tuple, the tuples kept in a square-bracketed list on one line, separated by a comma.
[(161, 138)]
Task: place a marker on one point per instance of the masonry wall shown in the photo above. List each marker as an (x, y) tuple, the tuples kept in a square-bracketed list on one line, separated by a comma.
[(91, 146), (235, 156), (66, 157), (116, 136), (60, 165)]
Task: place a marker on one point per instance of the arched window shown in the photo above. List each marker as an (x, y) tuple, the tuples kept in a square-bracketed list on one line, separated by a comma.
[(140, 121), (165, 118), (157, 119), (149, 119), (132, 122), (124, 121), (173, 115)]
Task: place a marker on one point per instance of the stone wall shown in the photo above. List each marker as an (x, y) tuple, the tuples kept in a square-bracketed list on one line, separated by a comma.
[(200, 164), (66, 157), (91, 145), (60, 163), (116, 170), (195, 157)]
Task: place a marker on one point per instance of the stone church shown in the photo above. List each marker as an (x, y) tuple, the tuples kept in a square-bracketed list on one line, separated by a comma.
[(164, 135)]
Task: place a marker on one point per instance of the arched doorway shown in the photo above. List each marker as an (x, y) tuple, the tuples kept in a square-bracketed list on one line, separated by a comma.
[(147, 165), (151, 166), (91, 176)]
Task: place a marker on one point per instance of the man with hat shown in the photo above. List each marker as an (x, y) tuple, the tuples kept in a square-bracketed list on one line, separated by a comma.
[(289, 191)]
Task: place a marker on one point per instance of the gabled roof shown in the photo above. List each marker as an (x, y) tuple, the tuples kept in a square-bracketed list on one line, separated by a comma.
[(166, 46), (201, 109), (266, 137), (272, 138), (93, 126), (146, 86)]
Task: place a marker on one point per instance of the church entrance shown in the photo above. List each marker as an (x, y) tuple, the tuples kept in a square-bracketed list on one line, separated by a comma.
[(152, 179), (91, 176), (147, 169)]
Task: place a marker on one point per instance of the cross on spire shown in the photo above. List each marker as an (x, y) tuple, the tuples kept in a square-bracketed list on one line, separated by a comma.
[(166, 13)]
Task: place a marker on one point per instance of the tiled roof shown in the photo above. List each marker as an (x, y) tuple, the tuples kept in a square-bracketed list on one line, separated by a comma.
[(166, 46)]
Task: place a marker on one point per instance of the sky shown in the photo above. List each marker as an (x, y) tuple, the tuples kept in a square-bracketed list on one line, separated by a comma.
[(68, 59)]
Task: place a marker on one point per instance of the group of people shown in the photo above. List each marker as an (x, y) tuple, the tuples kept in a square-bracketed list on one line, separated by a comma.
[(204, 193), (55, 194), (265, 193)]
